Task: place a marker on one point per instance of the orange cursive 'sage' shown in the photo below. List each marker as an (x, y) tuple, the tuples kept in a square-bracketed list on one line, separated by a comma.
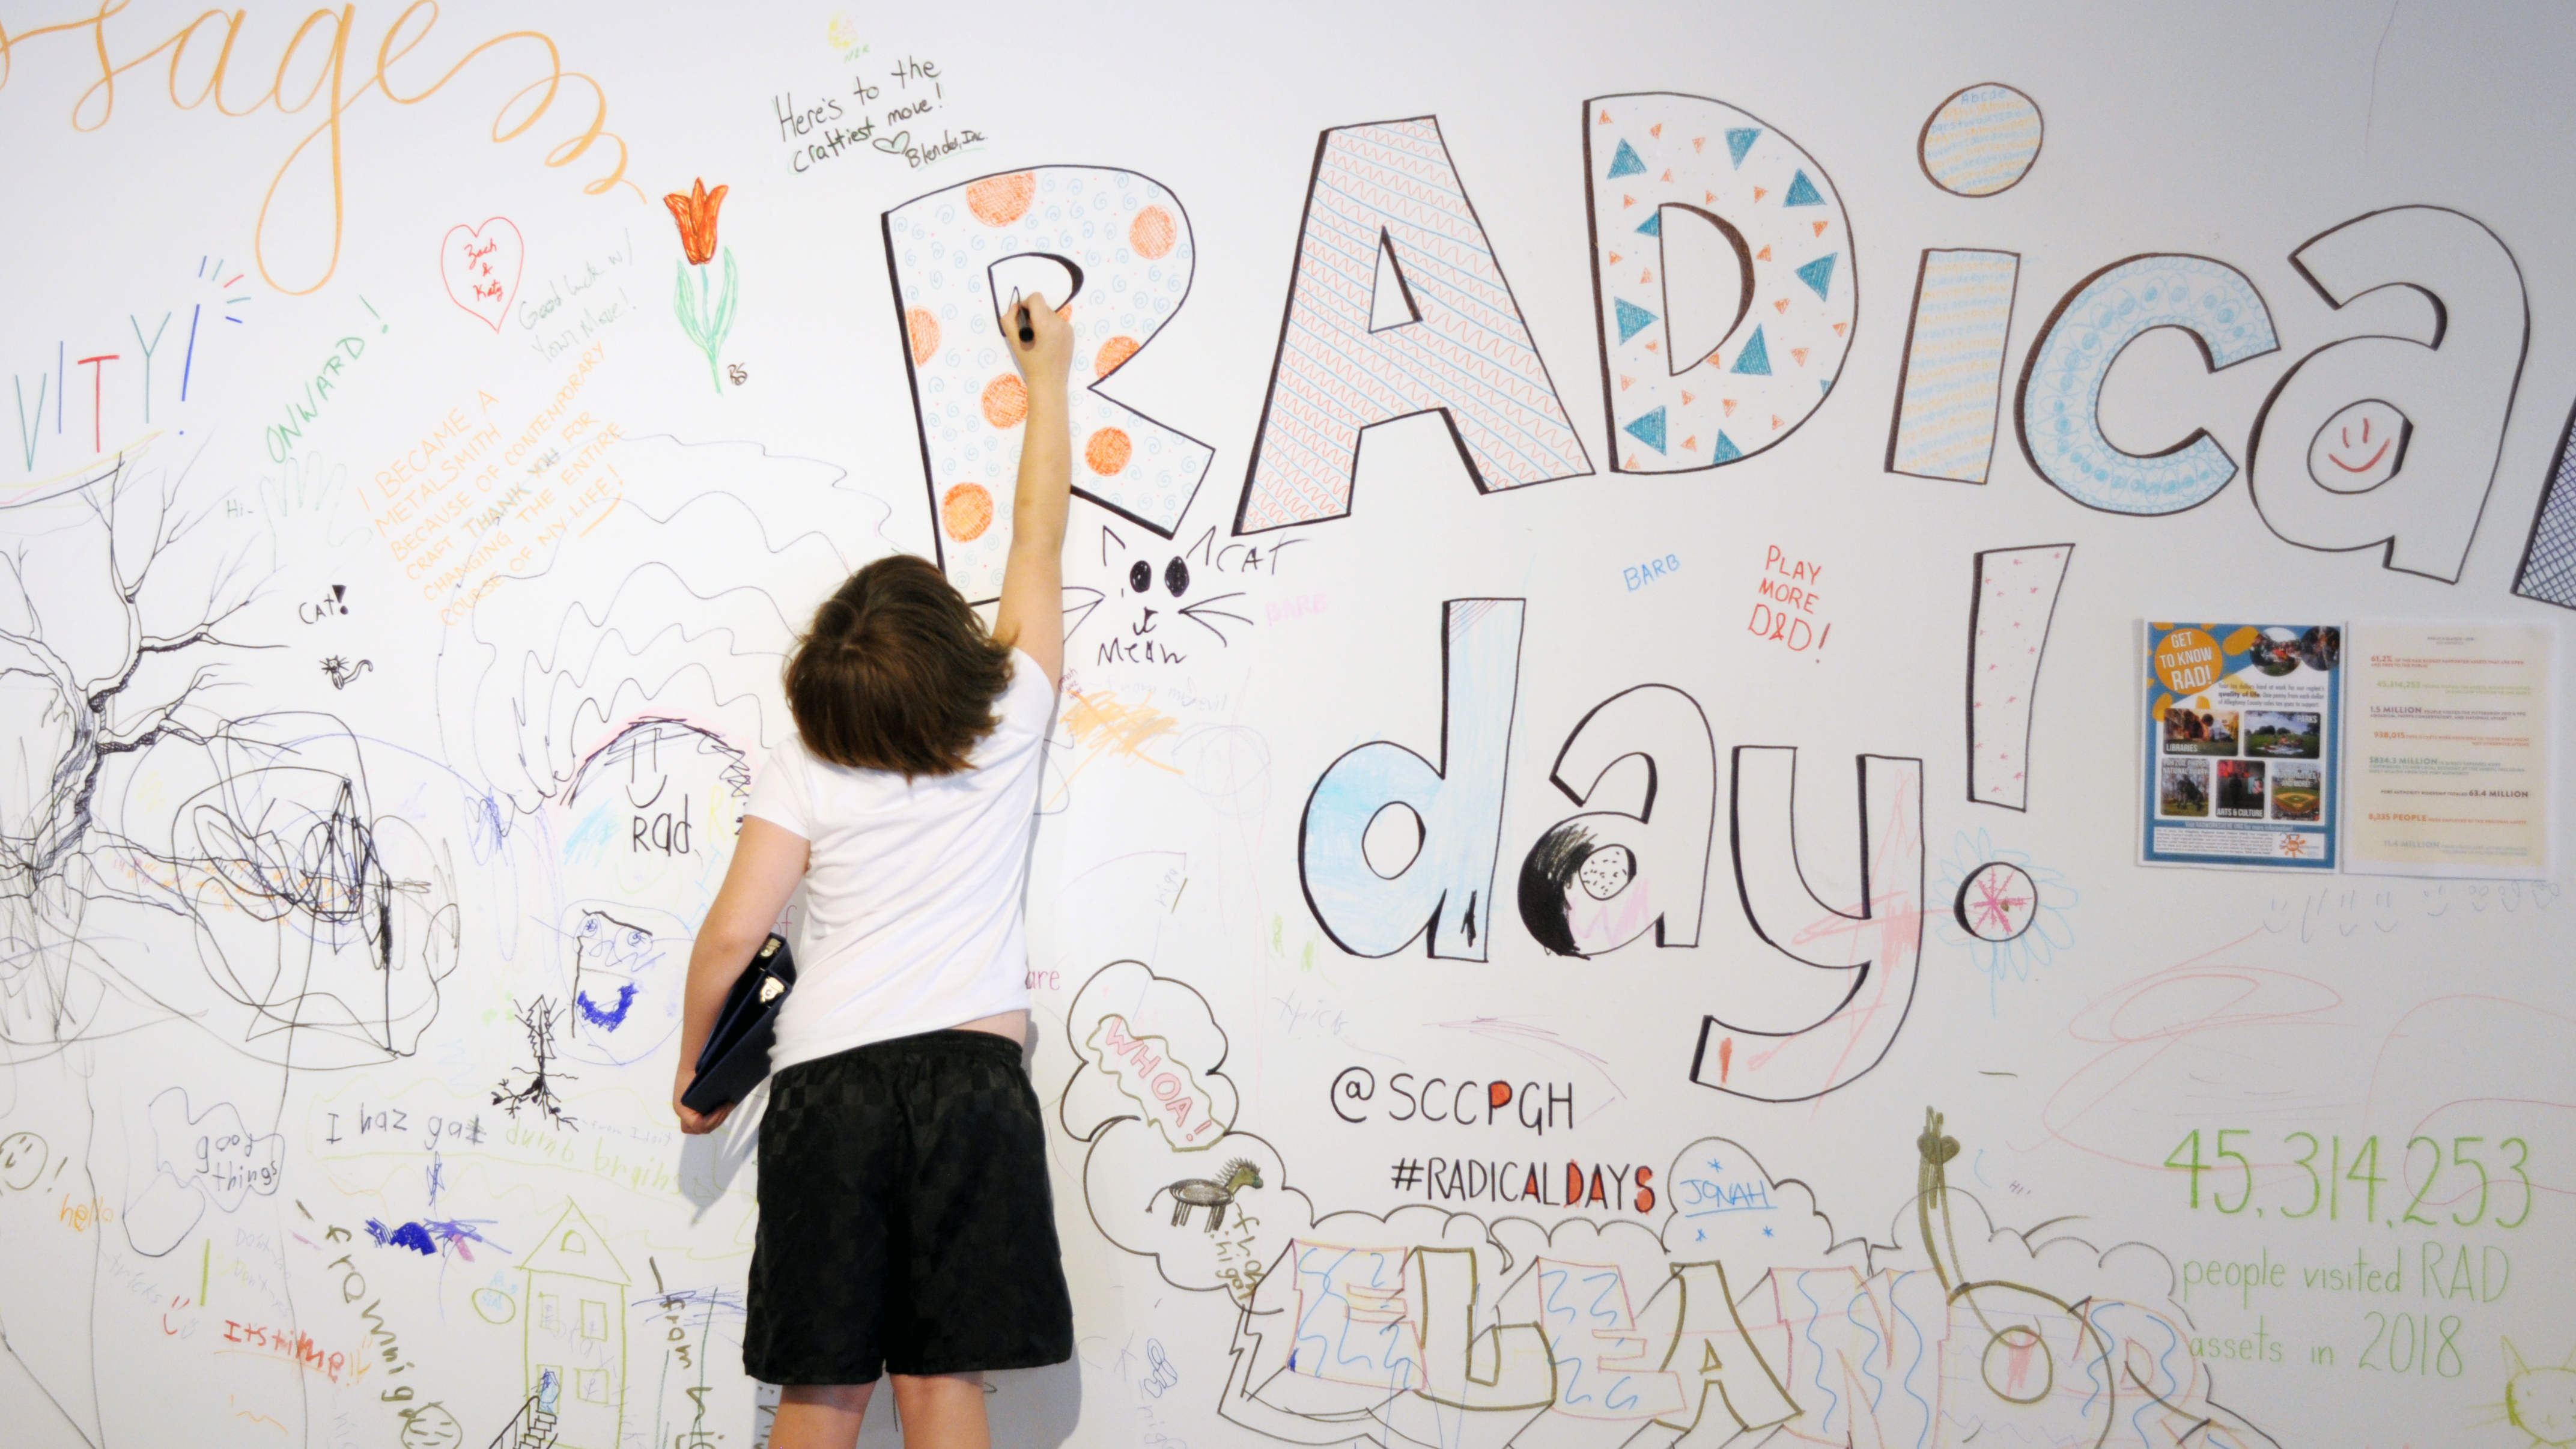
[(334, 27)]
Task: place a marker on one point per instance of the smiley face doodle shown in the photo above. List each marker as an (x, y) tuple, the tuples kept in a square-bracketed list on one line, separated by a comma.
[(431, 1427), (2541, 1402), (625, 980), (22, 1157), (2360, 447)]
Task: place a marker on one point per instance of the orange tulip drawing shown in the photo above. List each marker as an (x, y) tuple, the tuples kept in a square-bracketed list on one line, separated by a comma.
[(706, 317), (696, 214)]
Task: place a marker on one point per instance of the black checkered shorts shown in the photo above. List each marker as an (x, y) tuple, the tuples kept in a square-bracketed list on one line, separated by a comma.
[(906, 1222)]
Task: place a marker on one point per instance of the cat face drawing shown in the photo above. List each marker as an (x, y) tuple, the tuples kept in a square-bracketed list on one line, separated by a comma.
[(1174, 604)]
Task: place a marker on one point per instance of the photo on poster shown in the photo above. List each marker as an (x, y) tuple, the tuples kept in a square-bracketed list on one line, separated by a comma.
[(2240, 790), (2291, 734), (2191, 731), (2240, 744), (2298, 790), (2183, 789)]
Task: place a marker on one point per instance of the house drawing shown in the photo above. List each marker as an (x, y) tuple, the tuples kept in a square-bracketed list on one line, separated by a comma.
[(576, 1329)]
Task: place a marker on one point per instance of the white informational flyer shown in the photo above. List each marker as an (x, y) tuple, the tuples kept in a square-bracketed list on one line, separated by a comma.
[(2448, 750)]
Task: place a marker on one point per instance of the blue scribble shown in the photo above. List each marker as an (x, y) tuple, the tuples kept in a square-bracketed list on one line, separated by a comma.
[(1610, 1283), (1325, 1321), (612, 1018), (1560, 1317), (1870, 1352), (429, 1236), (486, 829), (590, 838), (409, 1235), (1816, 1372), (1919, 1358)]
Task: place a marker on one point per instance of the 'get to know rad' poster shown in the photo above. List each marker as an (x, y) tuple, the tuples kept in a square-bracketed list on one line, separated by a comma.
[(2241, 734)]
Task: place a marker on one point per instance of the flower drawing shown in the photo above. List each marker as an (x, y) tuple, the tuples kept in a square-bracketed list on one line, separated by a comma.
[(2011, 920), (708, 316), (696, 214)]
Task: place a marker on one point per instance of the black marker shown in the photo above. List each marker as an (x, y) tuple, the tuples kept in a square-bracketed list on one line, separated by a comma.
[(1028, 334)]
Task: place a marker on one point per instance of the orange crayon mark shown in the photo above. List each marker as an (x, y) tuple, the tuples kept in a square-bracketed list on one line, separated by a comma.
[(1001, 200), (1113, 355), (1006, 401), (1108, 451), (1152, 233), (1101, 724), (966, 512), (922, 330)]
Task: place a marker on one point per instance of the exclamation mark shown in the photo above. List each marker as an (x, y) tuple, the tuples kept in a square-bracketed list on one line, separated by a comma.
[(381, 324), (340, 596)]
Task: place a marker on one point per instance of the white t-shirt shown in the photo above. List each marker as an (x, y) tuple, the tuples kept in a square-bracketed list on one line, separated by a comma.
[(913, 892)]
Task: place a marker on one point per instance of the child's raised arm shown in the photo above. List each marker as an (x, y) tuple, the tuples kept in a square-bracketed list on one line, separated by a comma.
[(1031, 617)]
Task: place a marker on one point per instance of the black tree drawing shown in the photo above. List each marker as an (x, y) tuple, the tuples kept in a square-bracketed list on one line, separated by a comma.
[(118, 621)]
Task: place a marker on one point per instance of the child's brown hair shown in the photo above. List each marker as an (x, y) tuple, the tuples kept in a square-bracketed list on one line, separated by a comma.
[(897, 673)]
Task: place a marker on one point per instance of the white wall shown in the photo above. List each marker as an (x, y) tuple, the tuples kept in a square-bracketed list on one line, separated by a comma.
[(266, 968)]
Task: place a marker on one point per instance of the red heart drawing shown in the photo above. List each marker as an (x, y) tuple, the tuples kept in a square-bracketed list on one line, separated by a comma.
[(480, 266)]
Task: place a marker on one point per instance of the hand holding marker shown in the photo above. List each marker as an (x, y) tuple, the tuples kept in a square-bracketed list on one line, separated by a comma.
[(1039, 337)]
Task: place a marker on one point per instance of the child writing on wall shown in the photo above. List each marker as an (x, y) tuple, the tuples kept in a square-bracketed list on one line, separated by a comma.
[(906, 1222)]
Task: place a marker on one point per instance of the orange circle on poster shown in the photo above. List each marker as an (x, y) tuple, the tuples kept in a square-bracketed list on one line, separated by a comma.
[(1001, 200), (966, 512), (2188, 660), (1152, 233), (1113, 354), (923, 330), (1108, 451), (1006, 400)]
